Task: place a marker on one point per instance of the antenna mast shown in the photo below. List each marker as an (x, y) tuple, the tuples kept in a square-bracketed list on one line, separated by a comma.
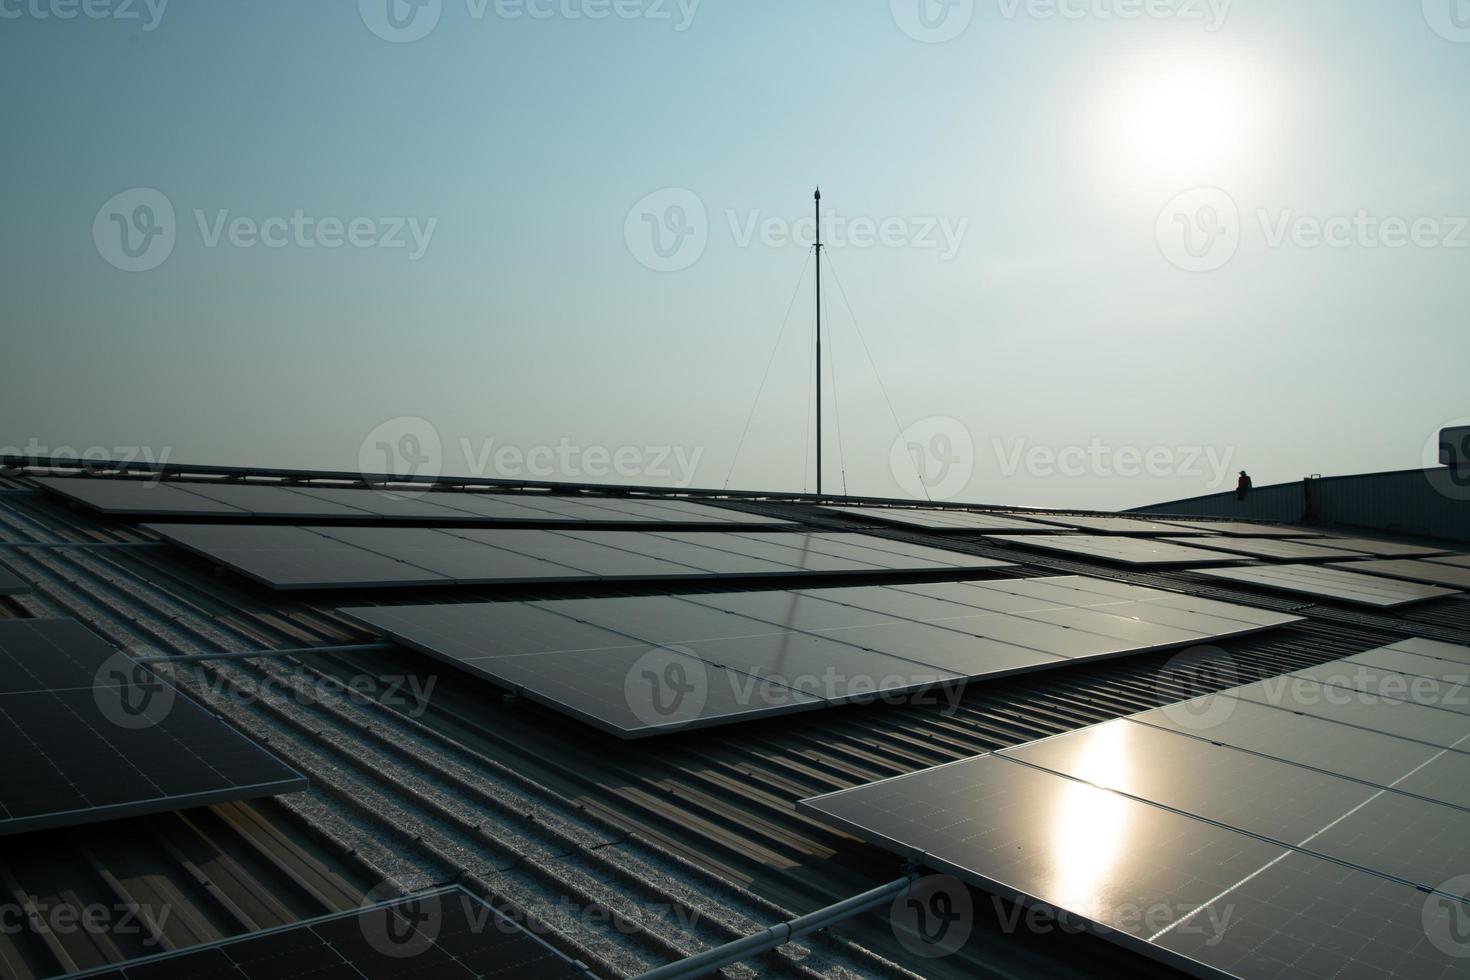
[(818, 199)]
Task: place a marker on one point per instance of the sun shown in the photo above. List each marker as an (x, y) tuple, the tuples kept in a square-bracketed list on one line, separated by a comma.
[(1184, 119)]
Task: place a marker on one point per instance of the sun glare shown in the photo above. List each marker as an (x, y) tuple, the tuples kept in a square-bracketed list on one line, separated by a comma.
[(1184, 120)]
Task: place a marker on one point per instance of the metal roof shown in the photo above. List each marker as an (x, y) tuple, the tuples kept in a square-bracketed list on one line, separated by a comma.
[(623, 856)]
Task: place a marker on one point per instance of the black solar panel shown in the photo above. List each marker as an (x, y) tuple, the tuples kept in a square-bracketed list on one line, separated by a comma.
[(596, 659), (447, 934), (11, 583), (92, 736), (386, 557)]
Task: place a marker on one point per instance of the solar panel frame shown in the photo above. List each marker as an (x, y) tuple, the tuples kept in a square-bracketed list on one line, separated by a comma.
[(1111, 525), (1244, 529), (61, 690), (1381, 549), (1455, 561), (1433, 648)]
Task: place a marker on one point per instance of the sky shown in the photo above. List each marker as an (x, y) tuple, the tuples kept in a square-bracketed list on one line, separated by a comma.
[(1079, 253)]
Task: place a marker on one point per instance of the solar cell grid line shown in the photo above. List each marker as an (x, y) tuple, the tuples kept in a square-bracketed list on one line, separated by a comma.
[(1322, 744), (96, 737), (11, 583), (1372, 828), (1433, 573), (446, 932), (1274, 548), (1336, 582), (1390, 716)]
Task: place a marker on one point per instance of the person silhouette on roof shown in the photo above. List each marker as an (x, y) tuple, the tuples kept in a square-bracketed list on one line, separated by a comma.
[(1243, 485)]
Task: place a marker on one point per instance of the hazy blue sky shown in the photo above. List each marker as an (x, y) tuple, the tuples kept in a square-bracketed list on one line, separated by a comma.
[(1039, 274)]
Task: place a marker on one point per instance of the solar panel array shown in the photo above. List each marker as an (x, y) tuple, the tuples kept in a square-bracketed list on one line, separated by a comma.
[(1285, 828), (1273, 548), (930, 519), (1330, 582), (11, 583), (241, 501), (1462, 561), (91, 736), (379, 557), (447, 933), (642, 666), (1434, 573), (1119, 549)]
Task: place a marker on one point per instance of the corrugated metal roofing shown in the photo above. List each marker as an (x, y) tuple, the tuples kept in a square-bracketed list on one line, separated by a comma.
[(624, 856)]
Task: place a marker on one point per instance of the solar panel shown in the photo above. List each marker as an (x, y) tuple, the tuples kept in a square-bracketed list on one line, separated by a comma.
[(1240, 528), (1391, 716), (1380, 683), (11, 583), (384, 557), (1434, 573), (1138, 869), (1119, 549), (93, 736), (831, 645), (945, 520), (443, 933), (1407, 837), (138, 498), (1318, 743), (1112, 525), (1330, 582), (1412, 663), (1433, 648), (295, 557), (1459, 561), (1267, 548), (1368, 546)]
